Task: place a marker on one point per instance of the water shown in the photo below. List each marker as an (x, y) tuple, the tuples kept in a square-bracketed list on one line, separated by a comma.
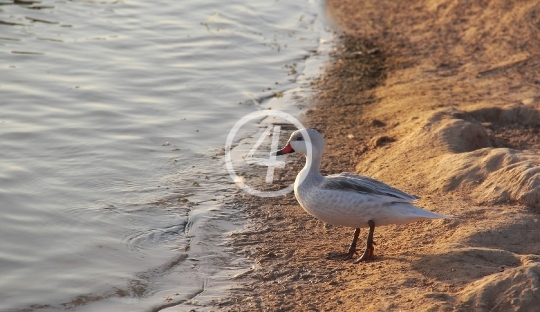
[(113, 117)]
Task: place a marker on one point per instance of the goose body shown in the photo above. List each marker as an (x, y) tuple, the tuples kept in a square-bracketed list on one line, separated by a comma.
[(348, 199), (351, 200)]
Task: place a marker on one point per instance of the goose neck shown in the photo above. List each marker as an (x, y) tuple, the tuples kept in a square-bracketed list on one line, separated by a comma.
[(311, 169)]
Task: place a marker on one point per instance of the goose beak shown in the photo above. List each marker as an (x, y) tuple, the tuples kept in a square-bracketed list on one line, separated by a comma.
[(286, 150)]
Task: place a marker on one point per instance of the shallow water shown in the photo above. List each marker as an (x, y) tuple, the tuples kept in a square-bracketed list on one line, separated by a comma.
[(113, 115)]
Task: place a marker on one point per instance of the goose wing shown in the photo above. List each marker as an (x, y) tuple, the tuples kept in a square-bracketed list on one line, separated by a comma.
[(364, 185)]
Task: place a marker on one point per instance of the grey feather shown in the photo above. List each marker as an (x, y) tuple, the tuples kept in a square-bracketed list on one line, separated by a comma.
[(364, 185)]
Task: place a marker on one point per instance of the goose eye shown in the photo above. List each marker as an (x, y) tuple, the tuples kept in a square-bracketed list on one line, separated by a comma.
[(299, 138)]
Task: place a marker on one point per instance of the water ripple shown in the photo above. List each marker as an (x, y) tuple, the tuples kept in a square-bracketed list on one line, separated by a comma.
[(110, 118)]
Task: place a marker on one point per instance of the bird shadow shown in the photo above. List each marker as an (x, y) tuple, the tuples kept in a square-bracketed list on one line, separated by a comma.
[(466, 264)]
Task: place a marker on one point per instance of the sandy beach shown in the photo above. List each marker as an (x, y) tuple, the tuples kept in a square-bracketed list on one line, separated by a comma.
[(440, 99)]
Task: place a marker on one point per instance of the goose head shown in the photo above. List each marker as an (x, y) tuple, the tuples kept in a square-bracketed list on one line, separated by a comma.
[(304, 141)]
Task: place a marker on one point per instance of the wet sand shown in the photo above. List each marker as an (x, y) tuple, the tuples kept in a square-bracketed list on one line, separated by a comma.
[(439, 99)]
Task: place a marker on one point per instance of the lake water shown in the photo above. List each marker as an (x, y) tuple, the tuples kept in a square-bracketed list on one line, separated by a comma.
[(113, 118)]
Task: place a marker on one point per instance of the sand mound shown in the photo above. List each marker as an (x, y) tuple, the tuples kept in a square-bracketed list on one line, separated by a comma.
[(515, 289), (492, 175), (453, 131), (463, 265), (465, 152)]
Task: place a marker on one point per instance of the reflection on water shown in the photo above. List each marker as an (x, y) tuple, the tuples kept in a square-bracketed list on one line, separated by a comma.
[(111, 187)]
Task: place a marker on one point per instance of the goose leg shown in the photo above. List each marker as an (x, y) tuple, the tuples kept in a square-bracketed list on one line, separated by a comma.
[(352, 247), (368, 253)]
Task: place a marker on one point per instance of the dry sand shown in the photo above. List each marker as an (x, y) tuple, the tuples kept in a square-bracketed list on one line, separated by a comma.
[(440, 99)]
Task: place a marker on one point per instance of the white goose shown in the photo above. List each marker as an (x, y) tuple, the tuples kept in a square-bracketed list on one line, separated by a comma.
[(347, 199)]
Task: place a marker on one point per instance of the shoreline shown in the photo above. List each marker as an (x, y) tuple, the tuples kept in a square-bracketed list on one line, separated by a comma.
[(432, 99)]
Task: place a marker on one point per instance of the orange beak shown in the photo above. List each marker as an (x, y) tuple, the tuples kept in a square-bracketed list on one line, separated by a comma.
[(286, 150)]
